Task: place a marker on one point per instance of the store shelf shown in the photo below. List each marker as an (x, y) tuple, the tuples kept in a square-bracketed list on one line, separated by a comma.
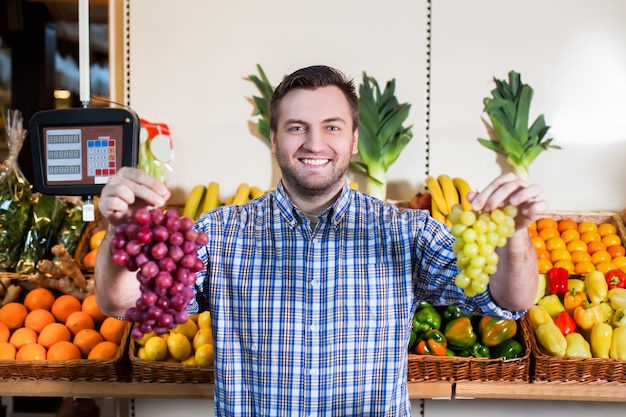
[(427, 390)]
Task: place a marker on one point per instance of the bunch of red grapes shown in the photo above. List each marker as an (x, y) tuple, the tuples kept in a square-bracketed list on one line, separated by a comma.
[(162, 248)]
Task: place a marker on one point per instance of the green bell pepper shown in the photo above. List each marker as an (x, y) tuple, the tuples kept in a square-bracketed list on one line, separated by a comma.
[(460, 333), (453, 312), (494, 331), (508, 349), (477, 350), (433, 342), (426, 318)]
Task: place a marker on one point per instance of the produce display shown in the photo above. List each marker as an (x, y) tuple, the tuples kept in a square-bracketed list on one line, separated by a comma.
[(203, 198), (582, 304), (447, 331), (161, 247)]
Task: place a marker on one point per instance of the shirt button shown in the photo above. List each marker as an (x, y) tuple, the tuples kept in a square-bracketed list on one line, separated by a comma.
[(314, 327), (313, 283), (316, 241), (312, 371)]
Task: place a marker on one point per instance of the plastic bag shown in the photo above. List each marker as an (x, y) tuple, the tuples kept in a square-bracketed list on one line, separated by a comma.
[(15, 196)]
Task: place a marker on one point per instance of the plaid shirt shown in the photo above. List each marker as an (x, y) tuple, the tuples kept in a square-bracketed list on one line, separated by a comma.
[(317, 322)]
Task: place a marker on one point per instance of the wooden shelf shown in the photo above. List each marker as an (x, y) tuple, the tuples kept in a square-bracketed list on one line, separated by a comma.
[(425, 390)]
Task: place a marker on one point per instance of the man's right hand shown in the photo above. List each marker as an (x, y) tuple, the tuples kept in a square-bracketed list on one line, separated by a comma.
[(128, 190)]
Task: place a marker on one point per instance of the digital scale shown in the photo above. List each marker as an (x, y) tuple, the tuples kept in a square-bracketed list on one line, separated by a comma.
[(76, 151)]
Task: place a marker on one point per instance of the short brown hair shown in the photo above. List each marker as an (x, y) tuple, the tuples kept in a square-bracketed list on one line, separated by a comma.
[(311, 78)]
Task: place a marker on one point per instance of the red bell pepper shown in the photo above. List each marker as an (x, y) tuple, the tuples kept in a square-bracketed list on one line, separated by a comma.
[(557, 280), (565, 323), (615, 278)]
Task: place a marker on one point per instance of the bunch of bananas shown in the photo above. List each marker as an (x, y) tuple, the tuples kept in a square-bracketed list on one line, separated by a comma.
[(205, 198), (445, 192)]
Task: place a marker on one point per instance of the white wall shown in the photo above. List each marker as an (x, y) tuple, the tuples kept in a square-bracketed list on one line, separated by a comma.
[(189, 60)]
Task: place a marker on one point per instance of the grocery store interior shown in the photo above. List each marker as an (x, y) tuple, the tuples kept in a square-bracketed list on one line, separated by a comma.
[(186, 64)]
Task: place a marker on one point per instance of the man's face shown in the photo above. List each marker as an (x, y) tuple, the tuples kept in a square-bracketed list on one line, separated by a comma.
[(314, 141)]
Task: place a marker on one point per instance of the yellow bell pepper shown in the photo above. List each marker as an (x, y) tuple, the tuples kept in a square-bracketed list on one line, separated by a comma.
[(618, 344), (553, 304), (537, 315), (550, 339), (573, 299), (541, 287), (587, 315), (617, 298), (609, 311), (601, 335), (577, 346), (596, 287), (575, 284)]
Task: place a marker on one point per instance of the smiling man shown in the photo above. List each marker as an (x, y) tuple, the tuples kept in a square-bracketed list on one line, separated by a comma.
[(312, 287)]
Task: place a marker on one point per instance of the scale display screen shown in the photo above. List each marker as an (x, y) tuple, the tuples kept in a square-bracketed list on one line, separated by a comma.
[(76, 151)]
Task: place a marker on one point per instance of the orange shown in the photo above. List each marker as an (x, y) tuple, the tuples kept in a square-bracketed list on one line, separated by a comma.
[(619, 261), (544, 265), (547, 222), (31, 352), (581, 256), (39, 298), (22, 336), (90, 306), (548, 232), (605, 266), (600, 256), (7, 351), (5, 333), (543, 254), (587, 226), (89, 260), (64, 306), (575, 245), (607, 229), (86, 339), (555, 243), (13, 314), (38, 319), (584, 267), (569, 235), (567, 224), (96, 239), (112, 329), (560, 255), (63, 351), (568, 265), (78, 321), (590, 237), (52, 333), (595, 246), (104, 351), (532, 232), (539, 243), (611, 240), (533, 225)]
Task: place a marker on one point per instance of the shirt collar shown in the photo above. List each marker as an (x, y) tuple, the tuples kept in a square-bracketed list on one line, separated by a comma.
[(293, 215)]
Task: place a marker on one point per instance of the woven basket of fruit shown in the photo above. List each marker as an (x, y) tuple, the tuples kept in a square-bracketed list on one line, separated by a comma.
[(48, 335), (498, 350), (85, 255)]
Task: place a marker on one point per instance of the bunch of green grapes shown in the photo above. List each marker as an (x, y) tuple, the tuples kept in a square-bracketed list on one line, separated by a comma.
[(478, 234)]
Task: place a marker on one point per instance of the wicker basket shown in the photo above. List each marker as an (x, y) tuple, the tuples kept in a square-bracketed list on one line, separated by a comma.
[(112, 370), (597, 217), (425, 368), (83, 248), (143, 370), (566, 369)]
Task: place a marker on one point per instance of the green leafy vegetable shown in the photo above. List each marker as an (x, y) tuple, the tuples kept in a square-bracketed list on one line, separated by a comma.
[(262, 102), (508, 111), (382, 136)]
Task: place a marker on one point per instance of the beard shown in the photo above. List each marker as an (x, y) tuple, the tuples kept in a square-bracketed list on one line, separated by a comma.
[(314, 185)]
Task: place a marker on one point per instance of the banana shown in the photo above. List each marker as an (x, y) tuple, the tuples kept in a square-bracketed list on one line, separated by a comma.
[(211, 198), (435, 212), (242, 195), (437, 195), (256, 192), (463, 188), (450, 193), (193, 201)]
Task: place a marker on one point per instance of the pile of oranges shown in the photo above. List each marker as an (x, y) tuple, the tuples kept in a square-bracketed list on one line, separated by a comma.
[(579, 247), (47, 327)]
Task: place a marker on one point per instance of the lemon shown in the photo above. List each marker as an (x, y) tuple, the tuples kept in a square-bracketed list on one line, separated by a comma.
[(188, 328), (178, 346), (155, 349), (204, 355), (141, 353), (145, 338), (204, 320), (191, 360), (203, 337)]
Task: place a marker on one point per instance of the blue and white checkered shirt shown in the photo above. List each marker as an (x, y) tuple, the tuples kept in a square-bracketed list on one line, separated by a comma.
[(317, 322)]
